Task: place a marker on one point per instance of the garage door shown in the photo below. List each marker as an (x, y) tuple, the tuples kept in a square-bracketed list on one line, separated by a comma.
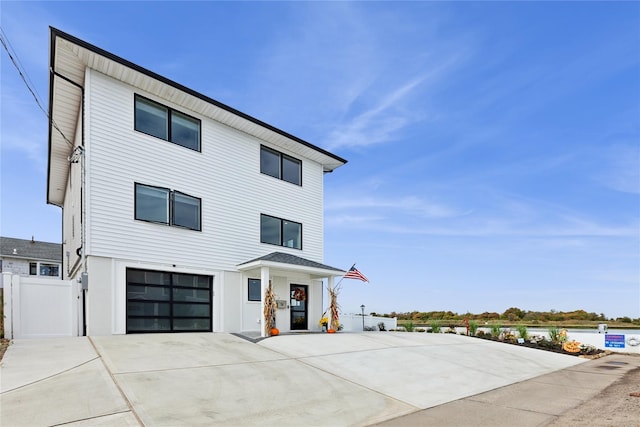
[(159, 301)]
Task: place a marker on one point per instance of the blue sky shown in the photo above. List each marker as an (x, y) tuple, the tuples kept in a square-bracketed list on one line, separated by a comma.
[(494, 148)]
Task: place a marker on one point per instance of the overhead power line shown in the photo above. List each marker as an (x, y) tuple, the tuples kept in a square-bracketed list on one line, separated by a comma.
[(13, 56)]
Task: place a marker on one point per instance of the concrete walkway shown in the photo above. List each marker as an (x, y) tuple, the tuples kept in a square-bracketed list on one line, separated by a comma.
[(317, 379)]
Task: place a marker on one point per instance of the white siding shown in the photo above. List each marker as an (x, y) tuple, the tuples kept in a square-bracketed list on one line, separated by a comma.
[(225, 175), (72, 214)]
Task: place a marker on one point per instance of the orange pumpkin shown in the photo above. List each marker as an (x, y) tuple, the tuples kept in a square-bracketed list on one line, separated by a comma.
[(275, 331)]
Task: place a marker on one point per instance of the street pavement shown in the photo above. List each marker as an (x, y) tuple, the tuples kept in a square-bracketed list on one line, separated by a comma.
[(345, 379)]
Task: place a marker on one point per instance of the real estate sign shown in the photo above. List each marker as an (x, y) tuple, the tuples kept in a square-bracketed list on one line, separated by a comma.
[(614, 341)]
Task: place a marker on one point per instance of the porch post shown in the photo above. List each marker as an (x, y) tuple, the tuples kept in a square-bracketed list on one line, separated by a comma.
[(264, 283)]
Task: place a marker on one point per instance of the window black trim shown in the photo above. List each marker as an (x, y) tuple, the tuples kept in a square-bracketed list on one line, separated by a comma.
[(170, 112), (281, 156), (135, 203), (282, 221), (172, 207), (171, 219), (259, 292)]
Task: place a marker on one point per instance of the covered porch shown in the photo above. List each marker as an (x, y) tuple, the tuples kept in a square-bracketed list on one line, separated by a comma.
[(297, 284)]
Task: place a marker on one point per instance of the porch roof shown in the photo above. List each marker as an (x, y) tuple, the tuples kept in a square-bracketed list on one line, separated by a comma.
[(284, 261)]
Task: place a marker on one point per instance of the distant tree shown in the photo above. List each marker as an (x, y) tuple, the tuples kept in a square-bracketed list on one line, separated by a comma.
[(513, 314)]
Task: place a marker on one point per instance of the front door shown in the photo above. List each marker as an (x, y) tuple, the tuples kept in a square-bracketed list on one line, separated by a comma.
[(298, 307)]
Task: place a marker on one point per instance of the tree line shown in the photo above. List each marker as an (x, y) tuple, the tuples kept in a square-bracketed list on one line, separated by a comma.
[(512, 314)]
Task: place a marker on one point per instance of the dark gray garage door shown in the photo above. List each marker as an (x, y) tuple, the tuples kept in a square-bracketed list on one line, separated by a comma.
[(159, 301)]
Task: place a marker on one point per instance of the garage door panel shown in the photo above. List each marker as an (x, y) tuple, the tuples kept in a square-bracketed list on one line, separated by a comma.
[(168, 302)]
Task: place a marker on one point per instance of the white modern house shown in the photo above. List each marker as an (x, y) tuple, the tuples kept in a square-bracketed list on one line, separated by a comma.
[(177, 209)]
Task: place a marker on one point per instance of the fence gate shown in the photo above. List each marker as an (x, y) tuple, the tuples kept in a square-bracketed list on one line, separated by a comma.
[(36, 307)]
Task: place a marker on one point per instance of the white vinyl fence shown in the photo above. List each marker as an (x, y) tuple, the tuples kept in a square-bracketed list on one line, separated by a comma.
[(36, 308), (354, 322)]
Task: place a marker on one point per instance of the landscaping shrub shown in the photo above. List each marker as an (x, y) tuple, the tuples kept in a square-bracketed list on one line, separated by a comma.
[(409, 326), (381, 326), (522, 332), (473, 327), (496, 330), (435, 327)]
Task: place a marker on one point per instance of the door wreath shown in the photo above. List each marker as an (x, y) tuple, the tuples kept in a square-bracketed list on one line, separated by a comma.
[(299, 295)]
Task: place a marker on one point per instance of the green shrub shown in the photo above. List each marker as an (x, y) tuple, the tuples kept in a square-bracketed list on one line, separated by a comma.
[(496, 330), (522, 332), (435, 327), (473, 327), (409, 326)]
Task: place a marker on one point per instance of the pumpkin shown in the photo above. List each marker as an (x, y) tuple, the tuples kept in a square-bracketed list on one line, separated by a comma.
[(275, 331), (571, 346)]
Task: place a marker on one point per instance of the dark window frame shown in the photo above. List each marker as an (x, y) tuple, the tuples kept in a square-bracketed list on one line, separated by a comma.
[(171, 200), (282, 221), (281, 157), (251, 281), (170, 112), (172, 209)]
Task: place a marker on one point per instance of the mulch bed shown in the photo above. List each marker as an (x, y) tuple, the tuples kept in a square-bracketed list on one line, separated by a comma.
[(548, 346)]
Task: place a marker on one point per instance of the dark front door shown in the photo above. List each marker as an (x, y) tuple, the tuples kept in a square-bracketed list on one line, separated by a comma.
[(298, 307)]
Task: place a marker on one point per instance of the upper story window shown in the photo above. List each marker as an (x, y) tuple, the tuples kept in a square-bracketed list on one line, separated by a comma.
[(281, 232), (164, 206), (280, 166), (166, 123)]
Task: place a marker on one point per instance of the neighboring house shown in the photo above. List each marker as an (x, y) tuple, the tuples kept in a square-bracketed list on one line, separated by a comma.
[(179, 210), (30, 258)]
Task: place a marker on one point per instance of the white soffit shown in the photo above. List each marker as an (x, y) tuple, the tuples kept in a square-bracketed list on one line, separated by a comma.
[(71, 60)]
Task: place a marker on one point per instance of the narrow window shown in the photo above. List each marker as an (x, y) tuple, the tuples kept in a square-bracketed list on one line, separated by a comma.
[(291, 234), (186, 211), (270, 230), (254, 290), (185, 131), (151, 118), (152, 204), (269, 162), (291, 170), (33, 268)]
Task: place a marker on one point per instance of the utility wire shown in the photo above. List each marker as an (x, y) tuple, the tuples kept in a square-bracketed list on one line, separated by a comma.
[(13, 56)]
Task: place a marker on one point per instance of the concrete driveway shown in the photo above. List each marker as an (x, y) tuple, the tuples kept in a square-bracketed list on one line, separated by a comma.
[(342, 379)]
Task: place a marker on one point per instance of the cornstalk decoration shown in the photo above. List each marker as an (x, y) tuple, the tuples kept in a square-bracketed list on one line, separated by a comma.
[(333, 309), (269, 309)]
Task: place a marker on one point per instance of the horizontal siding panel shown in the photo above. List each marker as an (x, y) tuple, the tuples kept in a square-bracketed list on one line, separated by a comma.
[(225, 175)]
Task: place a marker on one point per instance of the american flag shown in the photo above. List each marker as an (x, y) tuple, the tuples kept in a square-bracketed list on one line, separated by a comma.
[(353, 273)]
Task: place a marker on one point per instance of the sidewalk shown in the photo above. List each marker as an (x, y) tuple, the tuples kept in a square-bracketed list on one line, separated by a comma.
[(539, 401), (316, 379)]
